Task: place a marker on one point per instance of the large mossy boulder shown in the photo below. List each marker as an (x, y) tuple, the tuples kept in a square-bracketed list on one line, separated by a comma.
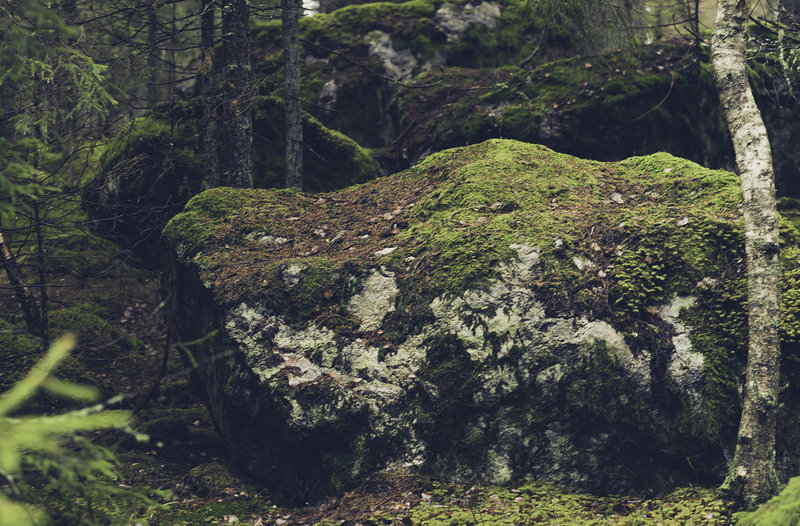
[(357, 59), (496, 312)]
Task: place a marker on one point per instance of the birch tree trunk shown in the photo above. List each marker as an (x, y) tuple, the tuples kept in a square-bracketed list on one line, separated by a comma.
[(290, 13), (236, 155), (752, 477)]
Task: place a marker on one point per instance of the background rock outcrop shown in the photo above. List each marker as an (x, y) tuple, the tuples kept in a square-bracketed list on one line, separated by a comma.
[(495, 312), (152, 168)]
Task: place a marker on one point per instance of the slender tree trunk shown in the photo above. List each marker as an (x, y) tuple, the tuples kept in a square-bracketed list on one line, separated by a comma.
[(236, 156), (752, 477), (208, 93), (152, 58), (696, 30), (44, 325), (24, 295), (69, 144), (290, 13), (173, 36)]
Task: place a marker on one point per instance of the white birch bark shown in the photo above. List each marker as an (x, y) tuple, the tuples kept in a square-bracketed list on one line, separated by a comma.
[(752, 477)]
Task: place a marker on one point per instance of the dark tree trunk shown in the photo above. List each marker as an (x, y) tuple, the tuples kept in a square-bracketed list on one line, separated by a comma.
[(44, 325), (152, 58), (24, 295), (208, 93), (752, 478), (290, 10), (236, 156)]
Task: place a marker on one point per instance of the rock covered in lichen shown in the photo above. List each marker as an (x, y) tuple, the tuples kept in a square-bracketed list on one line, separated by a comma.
[(496, 312)]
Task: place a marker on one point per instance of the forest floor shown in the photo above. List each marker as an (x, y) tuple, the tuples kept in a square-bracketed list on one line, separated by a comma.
[(114, 308)]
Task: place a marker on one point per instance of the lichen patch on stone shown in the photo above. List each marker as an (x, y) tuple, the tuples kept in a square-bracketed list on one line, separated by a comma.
[(375, 300)]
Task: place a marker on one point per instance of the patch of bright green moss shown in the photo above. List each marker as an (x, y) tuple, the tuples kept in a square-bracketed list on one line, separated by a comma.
[(202, 217), (536, 503), (790, 294), (503, 192), (214, 512), (782, 510)]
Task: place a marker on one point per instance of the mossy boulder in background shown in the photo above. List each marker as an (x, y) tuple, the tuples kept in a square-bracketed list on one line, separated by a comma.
[(496, 312), (147, 174), (606, 107), (152, 167), (331, 160)]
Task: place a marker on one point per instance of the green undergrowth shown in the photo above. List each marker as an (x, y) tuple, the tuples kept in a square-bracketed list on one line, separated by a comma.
[(435, 503), (244, 510), (789, 207), (99, 344), (20, 351)]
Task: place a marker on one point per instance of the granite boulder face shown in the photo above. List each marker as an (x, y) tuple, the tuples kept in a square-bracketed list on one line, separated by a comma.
[(496, 312)]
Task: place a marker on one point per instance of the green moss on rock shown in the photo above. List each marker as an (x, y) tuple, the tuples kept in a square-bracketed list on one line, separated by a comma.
[(648, 221), (152, 168)]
